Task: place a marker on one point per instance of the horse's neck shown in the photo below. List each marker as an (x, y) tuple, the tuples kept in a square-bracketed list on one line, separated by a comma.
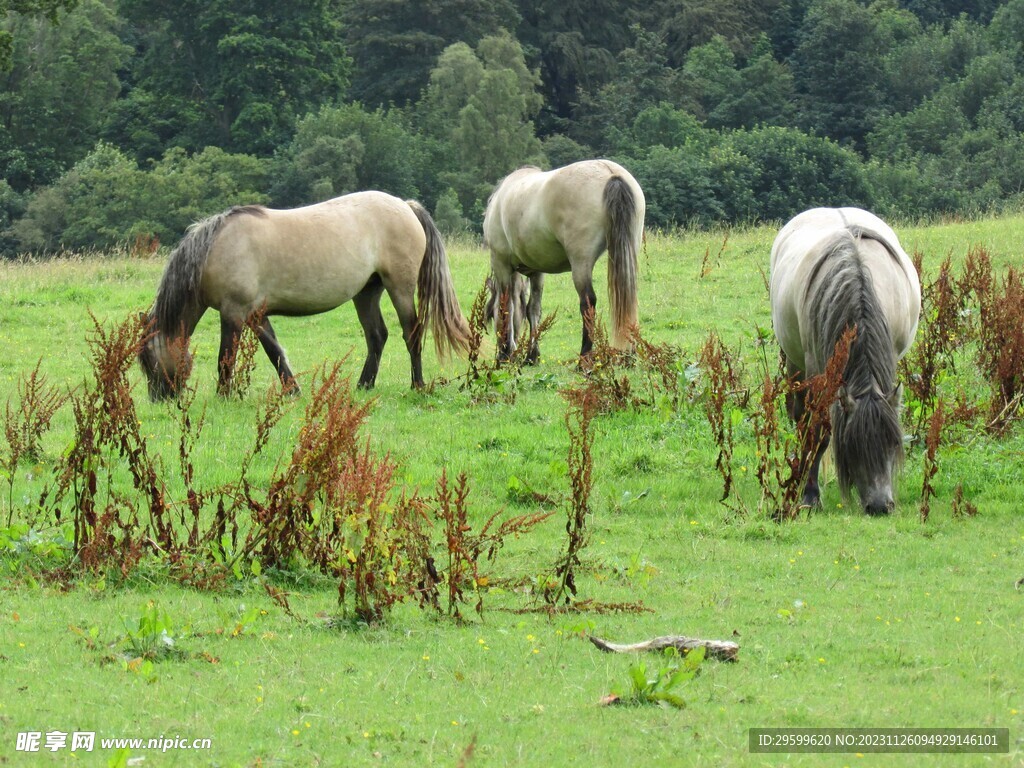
[(181, 324)]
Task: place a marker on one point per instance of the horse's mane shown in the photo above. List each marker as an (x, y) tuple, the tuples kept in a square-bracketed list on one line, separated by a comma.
[(180, 282), (842, 295)]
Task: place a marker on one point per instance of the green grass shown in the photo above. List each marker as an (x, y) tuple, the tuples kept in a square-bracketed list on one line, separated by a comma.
[(842, 620)]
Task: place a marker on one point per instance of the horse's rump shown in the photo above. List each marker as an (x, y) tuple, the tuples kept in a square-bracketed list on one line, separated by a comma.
[(563, 220)]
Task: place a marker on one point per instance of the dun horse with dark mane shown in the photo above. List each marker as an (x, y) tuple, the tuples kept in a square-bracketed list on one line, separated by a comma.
[(251, 262), (556, 221), (833, 269)]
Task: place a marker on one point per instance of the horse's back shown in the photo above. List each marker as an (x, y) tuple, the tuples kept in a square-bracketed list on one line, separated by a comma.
[(311, 259), (796, 259)]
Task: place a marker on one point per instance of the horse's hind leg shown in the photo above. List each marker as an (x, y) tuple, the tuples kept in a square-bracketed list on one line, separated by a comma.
[(503, 287), (405, 305), (268, 340), (367, 304), (533, 313), (582, 278)]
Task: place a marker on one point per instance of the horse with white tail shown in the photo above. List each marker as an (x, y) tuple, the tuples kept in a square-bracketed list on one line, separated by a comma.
[(548, 222), (250, 263), (833, 269)]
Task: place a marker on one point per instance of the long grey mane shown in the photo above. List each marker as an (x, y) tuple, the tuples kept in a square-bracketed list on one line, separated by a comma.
[(842, 295), (179, 285)]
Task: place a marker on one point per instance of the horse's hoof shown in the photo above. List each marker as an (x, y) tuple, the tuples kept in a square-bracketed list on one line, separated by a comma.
[(811, 501)]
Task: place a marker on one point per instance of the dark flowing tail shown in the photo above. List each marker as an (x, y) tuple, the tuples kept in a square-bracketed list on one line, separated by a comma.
[(623, 233), (438, 304)]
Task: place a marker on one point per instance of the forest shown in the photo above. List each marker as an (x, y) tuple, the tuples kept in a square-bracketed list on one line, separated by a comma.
[(123, 121)]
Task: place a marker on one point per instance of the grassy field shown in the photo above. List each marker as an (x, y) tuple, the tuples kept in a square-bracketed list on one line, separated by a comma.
[(842, 620)]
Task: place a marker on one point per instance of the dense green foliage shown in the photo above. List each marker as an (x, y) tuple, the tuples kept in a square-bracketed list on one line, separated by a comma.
[(726, 111)]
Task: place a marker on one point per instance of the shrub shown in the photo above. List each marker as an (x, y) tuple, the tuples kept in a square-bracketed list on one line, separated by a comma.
[(792, 171), (344, 149), (106, 199)]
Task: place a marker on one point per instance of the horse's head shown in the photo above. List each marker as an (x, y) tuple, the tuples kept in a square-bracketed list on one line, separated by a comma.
[(166, 362), (868, 443)]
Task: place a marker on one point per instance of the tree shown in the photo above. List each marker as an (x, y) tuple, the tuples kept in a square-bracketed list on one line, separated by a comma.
[(481, 104), (939, 11), (838, 72), (48, 9), (106, 199), (61, 82), (677, 184), (394, 43), (766, 95), (921, 64), (791, 172), (343, 149), (685, 24), (576, 42), (710, 75), (239, 71), (642, 79)]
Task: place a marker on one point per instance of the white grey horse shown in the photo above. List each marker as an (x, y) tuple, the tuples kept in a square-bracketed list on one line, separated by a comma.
[(548, 222), (832, 269)]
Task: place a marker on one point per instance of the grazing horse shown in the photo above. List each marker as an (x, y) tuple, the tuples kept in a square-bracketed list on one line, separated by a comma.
[(832, 269), (252, 262), (546, 222)]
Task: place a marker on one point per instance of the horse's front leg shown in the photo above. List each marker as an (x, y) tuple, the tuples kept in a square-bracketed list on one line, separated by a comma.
[(815, 439), (812, 491), (278, 358), (230, 333)]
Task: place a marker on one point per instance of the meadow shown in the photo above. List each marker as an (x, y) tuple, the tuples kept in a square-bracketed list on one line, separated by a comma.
[(842, 620)]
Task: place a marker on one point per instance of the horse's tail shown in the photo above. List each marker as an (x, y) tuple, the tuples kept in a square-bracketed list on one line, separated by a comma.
[(179, 286), (438, 304), (623, 234)]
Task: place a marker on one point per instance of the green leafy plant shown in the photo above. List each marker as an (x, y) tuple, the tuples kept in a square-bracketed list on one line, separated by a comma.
[(22, 546), (153, 638), (658, 686)]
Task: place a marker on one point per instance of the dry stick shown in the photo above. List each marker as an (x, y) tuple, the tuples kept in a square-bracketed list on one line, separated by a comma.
[(723, 650)]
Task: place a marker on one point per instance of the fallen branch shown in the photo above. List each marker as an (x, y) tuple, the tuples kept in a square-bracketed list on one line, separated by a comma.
[(723, 650)]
